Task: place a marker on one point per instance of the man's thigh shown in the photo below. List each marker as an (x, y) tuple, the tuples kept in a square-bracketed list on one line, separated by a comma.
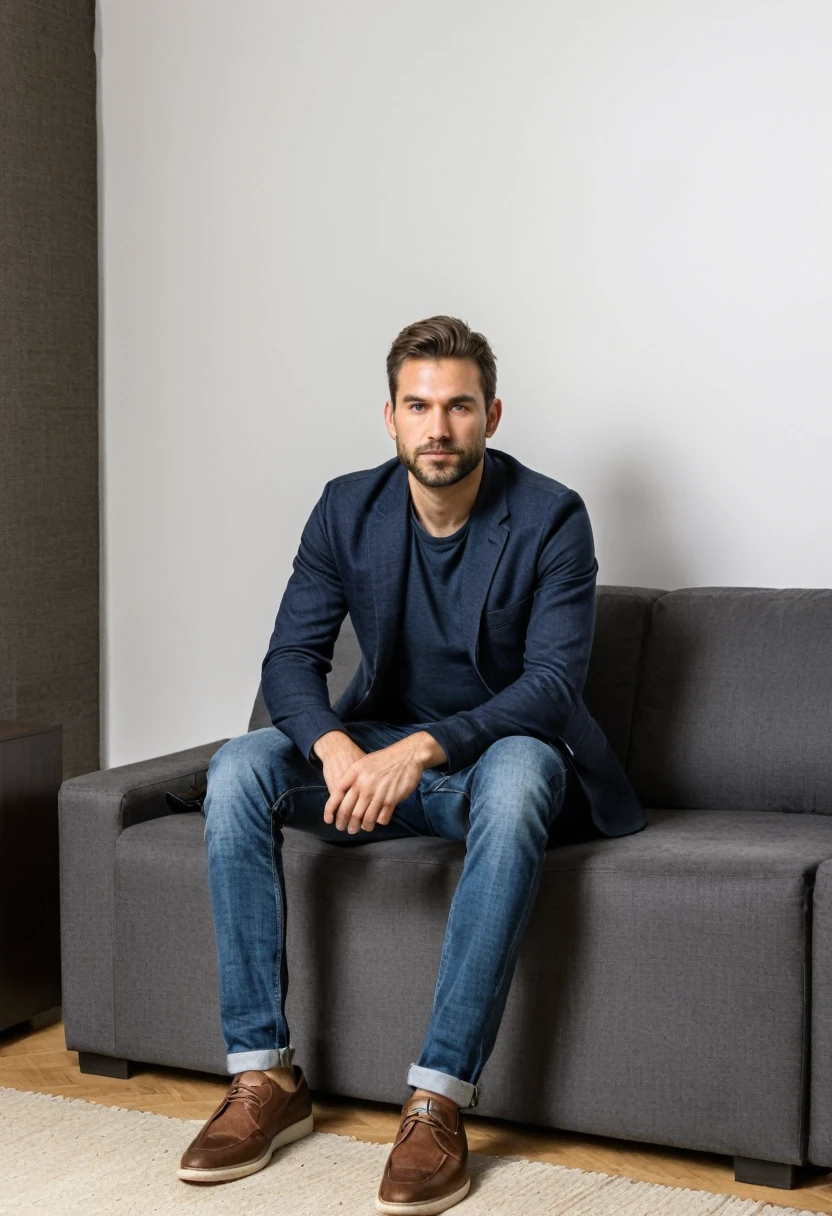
[(447, 803)]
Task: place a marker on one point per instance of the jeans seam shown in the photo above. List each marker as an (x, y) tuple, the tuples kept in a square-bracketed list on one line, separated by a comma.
[(518, 933), (513, 947), (439, 788), (564, 777), (437, 785), (277, 990), (294, 790), (446, 949), (278, 904), (446, 942), (564, 774)]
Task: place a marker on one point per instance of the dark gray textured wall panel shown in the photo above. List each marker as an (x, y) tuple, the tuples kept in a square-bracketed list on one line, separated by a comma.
[(49, 512)]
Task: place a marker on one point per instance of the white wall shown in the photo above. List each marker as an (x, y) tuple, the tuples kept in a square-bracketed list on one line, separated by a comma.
[(631, 201)]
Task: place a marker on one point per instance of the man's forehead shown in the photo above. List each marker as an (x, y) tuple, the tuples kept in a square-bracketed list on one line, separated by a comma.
[(441, 377)]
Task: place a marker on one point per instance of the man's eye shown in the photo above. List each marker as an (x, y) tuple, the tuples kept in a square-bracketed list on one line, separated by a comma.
[(458, 405)]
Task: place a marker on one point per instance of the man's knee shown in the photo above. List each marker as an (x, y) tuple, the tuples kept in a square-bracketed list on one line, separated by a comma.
[(521, 779), (249, 752), (242, 775), (523, 758)]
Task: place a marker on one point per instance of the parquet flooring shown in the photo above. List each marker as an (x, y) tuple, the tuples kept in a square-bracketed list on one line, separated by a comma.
[(36, 1059)]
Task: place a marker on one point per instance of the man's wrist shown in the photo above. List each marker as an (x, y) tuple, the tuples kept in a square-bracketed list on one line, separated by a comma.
[(324, 743), (428, 751)]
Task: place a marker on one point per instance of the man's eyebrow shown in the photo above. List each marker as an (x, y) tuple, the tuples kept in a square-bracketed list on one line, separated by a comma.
[(450, 401)]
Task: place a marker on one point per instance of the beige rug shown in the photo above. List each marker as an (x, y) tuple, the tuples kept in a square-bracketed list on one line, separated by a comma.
[(64, 1155)]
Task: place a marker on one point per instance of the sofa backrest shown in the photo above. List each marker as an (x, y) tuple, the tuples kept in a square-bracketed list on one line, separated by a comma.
[(734, 707), (622, 614)]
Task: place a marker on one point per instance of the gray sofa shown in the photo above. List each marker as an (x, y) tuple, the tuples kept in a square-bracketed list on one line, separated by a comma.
[(674, 986)]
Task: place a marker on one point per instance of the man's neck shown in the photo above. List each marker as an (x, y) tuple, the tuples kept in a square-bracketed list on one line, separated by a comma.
[(442, 510)]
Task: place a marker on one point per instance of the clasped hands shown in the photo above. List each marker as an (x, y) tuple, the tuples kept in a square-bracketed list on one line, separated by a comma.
[(366, 787)]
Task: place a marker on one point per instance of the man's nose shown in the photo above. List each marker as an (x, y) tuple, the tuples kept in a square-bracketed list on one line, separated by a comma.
[(439, 424)]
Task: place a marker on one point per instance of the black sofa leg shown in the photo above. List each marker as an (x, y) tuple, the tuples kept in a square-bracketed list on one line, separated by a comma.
[(765, 1173), (105, 1066)]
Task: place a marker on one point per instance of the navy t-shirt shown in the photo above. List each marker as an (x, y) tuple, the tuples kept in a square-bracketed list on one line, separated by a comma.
[(431, 675)]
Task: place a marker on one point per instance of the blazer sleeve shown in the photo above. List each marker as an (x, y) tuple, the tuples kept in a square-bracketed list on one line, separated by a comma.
[(558, 647), (303, 640)]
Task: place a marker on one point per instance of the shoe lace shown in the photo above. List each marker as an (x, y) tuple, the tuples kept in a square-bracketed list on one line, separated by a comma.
[(243, 1091), (420, 1115)]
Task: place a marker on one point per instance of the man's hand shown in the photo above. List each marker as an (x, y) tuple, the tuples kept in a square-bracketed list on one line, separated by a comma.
[(337, 752), (365, 788)]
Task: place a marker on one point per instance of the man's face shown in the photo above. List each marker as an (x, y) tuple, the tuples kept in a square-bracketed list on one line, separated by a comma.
[(440, 408)]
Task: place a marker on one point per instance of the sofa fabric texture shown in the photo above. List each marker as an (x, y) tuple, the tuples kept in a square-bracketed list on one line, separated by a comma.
[(672, 985), (661, 980), (820, 1097), (735, 702)]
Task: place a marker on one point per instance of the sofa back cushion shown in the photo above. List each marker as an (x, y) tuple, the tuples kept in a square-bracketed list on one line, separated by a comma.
[(621, 620), (734, 709)]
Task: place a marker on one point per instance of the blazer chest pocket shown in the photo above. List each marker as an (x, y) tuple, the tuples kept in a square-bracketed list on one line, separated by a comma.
[(506, 616)]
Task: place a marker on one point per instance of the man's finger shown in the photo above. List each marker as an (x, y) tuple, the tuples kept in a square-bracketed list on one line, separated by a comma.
[(372, 816), (357, 814), (386, 813), (345, 809), (332, 804), (339, 789)]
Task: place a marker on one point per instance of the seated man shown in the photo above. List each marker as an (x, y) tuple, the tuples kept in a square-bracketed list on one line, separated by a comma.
[(470, 582)]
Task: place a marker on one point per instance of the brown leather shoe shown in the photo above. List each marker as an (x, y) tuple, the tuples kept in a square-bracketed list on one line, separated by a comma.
[(255, 1117), (427, 1170)]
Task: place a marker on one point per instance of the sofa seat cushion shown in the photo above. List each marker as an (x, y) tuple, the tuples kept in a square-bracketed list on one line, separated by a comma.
[(747, 843), (660, 992)]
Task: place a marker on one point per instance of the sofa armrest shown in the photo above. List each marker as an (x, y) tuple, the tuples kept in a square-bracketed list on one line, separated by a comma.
[(117, 798), (93, 810)]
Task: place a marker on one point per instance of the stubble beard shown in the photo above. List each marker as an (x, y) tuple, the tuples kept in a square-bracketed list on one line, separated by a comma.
[(463, 463)]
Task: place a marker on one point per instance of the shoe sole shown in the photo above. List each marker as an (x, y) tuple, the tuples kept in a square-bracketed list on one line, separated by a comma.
[(423, 1207), (295, 1131)]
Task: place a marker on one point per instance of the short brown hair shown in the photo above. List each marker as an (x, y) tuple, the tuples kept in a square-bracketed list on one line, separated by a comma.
[(442, 338)]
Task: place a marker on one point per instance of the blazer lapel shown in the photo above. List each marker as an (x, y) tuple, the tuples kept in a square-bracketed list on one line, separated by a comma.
[(387, 544), (487, 536)]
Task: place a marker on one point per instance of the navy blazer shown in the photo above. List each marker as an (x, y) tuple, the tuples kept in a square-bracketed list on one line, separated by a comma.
[(528, 583)]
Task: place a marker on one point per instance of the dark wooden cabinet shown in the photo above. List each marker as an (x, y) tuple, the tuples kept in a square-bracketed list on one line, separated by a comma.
[(30, 947)]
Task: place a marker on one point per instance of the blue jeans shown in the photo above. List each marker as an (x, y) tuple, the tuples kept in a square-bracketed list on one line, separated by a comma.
[(504, 806)]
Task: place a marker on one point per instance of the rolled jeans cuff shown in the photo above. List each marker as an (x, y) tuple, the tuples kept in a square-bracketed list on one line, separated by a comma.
[(277, 1057), (462, 1092)]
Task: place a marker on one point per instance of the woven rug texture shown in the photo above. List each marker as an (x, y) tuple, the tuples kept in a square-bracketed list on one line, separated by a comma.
[(65, 1155)]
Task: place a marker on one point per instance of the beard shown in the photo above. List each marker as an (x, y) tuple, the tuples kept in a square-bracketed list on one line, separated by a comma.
[(463, 462)]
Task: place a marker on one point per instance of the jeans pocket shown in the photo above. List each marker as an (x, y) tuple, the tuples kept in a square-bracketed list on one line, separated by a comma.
[(451, 811), (437, 785)]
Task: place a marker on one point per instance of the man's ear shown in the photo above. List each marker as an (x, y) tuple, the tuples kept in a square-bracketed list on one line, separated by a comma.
[(389, 419), (493, 417)]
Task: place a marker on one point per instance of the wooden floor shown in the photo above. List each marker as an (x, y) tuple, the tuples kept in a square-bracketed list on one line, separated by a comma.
[(37, 1060)]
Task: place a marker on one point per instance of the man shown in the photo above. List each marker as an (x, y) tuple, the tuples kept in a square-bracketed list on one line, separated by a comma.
[(470, 583)]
